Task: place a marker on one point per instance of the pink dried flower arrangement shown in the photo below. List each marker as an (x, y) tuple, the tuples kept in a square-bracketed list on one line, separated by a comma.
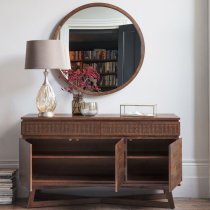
[(85, 79)]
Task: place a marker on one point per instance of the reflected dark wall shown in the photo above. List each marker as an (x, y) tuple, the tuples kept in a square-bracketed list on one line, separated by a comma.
[(123, 42), (128, 52), (81, 39)]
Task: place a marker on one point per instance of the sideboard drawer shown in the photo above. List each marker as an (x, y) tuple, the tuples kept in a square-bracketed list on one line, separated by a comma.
[(60, 128), (141, 128)]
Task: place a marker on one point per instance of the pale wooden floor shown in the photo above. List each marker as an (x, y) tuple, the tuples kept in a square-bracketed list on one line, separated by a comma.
[(181, 204)]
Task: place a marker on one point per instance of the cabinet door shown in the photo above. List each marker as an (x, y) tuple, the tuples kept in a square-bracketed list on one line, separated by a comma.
[(25, 163), (119, 164), (175, 164)]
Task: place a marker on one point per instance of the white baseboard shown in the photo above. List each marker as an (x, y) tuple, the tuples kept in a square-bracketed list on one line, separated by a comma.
[(195, 182), (195, 178)]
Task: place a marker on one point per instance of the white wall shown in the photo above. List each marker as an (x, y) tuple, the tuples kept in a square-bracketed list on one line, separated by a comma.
[(174, 74)]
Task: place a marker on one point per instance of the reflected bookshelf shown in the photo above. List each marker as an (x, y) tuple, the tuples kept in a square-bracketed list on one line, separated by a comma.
[(103, 60)]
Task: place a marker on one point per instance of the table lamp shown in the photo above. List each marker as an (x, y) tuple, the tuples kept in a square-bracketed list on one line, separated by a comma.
[(46, 54)]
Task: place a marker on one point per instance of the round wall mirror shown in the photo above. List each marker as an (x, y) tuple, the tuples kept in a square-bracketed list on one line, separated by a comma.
[(106, 38)]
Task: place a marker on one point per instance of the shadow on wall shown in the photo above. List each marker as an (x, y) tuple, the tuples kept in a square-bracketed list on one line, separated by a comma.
[(56, 75), (15, 90), (14, 86), (201, 93), (13, 77), (9, 141)]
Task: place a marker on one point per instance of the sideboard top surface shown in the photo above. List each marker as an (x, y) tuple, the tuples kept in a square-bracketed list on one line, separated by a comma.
[(101, 117)]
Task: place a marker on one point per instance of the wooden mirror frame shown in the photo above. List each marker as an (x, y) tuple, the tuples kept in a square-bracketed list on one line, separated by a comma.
[(56, 32)]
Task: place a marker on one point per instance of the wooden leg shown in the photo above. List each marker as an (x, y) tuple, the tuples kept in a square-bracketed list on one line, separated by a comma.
[(31, 198), (141, 200), (169, 196), (150, 200), (48, 203)]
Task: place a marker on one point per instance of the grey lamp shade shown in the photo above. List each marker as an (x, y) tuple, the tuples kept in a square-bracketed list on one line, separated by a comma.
[(46, 54)]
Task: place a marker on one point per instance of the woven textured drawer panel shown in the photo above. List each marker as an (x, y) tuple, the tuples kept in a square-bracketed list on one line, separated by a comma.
[(61, 128), (143, 128)]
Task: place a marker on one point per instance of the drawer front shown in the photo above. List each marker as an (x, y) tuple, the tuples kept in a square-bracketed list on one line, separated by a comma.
[(143, 128), (60, 128)]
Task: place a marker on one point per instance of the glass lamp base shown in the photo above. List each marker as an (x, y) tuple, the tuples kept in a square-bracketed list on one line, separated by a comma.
[(45, 99), (46, 114)]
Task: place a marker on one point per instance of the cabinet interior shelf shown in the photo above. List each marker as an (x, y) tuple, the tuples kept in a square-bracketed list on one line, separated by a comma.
[(73, 156), (148, 178), (147, 157), (147, 153), (145, 182), (94, 156), (73, 153), (51, 180)]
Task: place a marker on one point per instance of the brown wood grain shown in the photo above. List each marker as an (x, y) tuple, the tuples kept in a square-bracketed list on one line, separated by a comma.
[(101, 151), (175, 164), (65, 126), (119, 164), (25, 163), (102, 117)]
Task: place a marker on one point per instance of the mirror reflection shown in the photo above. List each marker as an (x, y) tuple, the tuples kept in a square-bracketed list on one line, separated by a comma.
[(106, 40)]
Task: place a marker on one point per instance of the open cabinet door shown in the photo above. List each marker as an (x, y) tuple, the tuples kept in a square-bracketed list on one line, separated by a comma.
[(25, 163), (119, 164), (175, 164)]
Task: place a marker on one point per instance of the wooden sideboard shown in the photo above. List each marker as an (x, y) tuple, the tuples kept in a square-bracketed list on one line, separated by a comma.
[(101, 151)]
